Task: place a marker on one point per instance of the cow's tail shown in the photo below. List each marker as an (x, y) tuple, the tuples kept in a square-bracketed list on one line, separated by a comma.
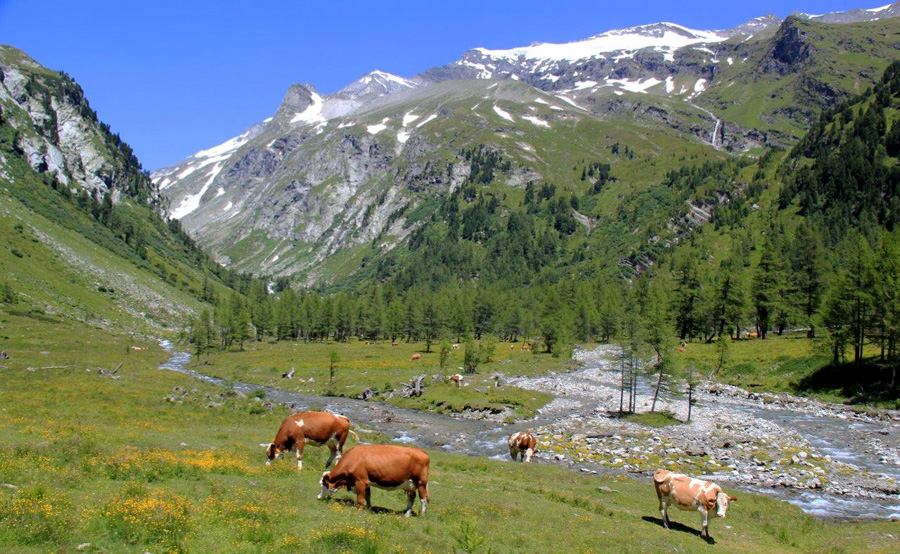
[(355, 436)]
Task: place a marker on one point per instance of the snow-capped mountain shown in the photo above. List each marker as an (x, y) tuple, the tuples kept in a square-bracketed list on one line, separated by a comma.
[(328, 172), (855, 16)]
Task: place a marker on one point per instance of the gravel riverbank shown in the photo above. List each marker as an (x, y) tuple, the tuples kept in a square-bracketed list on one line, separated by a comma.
[(757, 441)]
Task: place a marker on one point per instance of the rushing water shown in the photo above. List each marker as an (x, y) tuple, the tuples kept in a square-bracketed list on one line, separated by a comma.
[(488, 439)]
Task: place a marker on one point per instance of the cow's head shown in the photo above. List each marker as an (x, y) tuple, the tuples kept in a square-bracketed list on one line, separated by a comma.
[(722, 501), (273, 452), (328, 487)]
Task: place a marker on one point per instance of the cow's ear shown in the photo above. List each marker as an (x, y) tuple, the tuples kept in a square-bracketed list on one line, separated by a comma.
[(732, 499)]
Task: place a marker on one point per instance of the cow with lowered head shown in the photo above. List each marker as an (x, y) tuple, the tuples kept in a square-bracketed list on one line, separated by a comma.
[(317, 428), (689, 493), (522, 445), (380, 465)]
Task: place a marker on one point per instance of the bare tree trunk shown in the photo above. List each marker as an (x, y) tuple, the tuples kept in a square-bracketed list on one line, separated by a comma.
[(622, 386), (690, 391), (656, 392)]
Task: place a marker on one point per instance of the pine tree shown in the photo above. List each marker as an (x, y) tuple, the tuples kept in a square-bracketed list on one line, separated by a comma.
[(432, 321), (767, 289), (658, 332), (807, 277)]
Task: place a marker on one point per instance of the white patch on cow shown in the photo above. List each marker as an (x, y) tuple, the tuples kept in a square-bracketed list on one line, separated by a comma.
[(299, 423), (722, 503)]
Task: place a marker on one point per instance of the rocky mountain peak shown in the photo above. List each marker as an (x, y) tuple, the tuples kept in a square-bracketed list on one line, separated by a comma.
[(789, 49), (756, 25), (375, 83), (297, 99)]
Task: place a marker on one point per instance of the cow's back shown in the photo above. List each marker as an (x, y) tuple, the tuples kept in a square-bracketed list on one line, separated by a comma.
[(383, 463)]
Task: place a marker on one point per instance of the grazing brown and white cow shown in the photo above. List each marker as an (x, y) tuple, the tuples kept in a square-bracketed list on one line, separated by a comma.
[(689, 493), (415, 357), (319, 428), (522, 445), (380, 465), (457, 378)]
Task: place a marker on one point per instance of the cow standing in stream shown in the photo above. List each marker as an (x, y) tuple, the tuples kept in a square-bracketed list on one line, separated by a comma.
[(319, 428), (380, 465)]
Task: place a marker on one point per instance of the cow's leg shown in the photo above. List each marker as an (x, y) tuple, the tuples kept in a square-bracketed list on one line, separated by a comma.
[(664, 510), (513, 453), (363, 494), (704, 517), (410, 500), (528, 454), (332, 445), (300, 444), (423, 495), (340, 447)]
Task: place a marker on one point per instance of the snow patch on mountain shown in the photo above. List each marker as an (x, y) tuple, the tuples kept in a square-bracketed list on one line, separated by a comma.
[(503, 113), (409, 118), (534, 120), (375, 129), (426, 120), (313, 113), (226, 147), (659, 35), (635, 86)]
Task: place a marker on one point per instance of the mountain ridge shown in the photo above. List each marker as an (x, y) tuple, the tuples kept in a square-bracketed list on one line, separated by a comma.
[(331, 173)]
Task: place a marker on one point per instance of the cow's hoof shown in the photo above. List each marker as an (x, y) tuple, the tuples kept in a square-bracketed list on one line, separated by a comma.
[(407, 514)]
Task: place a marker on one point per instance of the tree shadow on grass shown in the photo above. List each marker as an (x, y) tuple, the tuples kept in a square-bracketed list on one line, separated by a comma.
[(866, 382), (675, 526)]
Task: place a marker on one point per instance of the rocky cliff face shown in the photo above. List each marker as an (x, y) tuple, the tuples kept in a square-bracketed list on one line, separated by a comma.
[(59, 134)]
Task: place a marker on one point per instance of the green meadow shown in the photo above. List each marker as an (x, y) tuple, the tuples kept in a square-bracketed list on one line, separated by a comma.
[(155, 461)]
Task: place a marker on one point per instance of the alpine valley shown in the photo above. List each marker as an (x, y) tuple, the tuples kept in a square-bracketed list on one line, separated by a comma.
[(654, 248)]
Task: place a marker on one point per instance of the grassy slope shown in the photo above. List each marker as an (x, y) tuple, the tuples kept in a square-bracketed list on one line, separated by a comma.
[(846, 58), (114, 464), (382, 367)]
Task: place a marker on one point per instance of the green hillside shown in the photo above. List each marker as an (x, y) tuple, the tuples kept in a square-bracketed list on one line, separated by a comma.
[(69, 250)]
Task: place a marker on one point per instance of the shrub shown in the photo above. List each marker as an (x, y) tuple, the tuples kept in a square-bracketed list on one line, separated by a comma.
[(33, 516), (162, 518)]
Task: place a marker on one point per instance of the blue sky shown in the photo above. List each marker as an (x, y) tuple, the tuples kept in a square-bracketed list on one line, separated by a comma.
[(174, 77)]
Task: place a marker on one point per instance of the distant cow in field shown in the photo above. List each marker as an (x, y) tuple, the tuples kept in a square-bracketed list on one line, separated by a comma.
[(526, 347), (415, 357), (522, 445), (381, 465), (752, 335), (457, 378), (512, 346), (319, 428), (455, 346), (394, 342), (688, 493), (682, 347)]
